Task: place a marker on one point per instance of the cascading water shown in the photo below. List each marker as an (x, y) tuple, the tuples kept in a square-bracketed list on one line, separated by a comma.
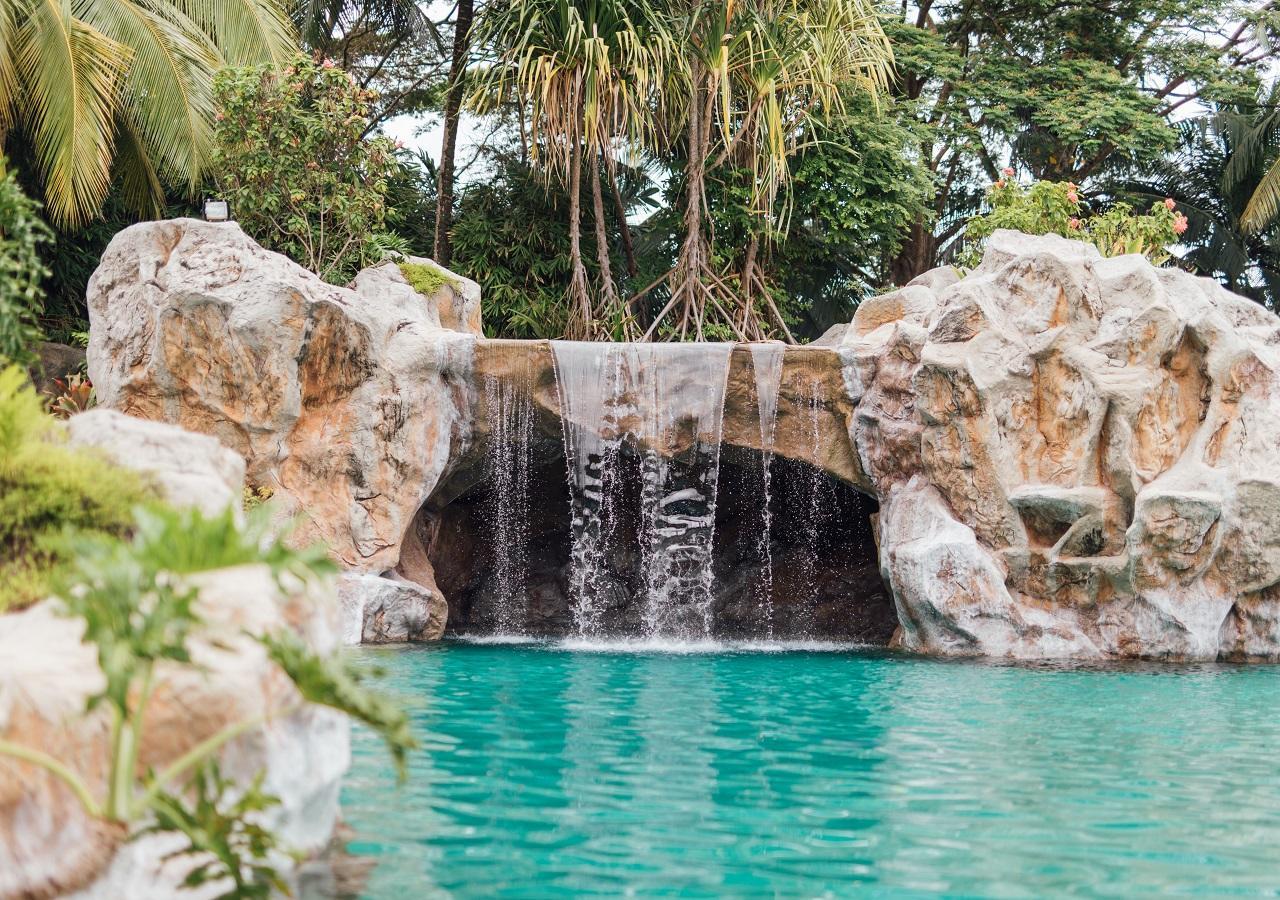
[(819, 500), (766, 363), (664, 403), (510, 411)]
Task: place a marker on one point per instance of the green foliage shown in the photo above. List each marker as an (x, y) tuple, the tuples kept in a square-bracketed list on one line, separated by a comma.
[(47, 488), (336, 682), (218, 821), (424, 278), (1049, 207), (139, 609), (510, 235), (293, 159), (22, 233)]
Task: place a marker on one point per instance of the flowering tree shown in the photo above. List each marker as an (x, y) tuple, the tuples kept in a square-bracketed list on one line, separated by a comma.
[(1056, 207), (293, 159)]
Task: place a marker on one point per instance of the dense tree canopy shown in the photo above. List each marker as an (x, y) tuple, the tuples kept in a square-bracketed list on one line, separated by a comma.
[(678, 170)]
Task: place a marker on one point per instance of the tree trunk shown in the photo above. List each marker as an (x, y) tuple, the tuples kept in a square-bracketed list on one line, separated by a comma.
[(609, 291), (624, 227), (443, 250), (582, 318)]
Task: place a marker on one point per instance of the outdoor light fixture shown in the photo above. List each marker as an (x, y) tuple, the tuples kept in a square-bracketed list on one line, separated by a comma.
[(216, 210)]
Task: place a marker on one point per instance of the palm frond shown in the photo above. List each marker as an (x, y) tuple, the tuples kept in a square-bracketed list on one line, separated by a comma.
[(246, 32), (71, 75)]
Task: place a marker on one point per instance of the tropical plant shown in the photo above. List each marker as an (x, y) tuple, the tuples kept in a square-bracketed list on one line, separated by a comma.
[(589, 71), (1060, 91), (138, 604), (46, 488), (752, 81), (121, 87), (1051, 207), (1221, 157), (21, 299), (220, 823), (75, 395), (293, 159)]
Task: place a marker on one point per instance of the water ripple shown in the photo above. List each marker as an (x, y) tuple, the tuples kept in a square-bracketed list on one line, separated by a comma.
[(548, 770)]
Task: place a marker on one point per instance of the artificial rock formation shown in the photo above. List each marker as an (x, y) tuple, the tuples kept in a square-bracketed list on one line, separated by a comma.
[(49, 846), (1075, 456), (345, 402)]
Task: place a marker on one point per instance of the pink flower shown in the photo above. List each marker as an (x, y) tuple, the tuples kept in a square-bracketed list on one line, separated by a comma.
[(1007, 172), (1074, 224), (218, 117), (1169, 204), (1179, 223), (399, 144), (1073, 197), (1000, 183), (327, 64)]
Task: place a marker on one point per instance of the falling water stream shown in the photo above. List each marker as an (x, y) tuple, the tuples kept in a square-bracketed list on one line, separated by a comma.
[(766, 363), (510, 411), (665, 404)]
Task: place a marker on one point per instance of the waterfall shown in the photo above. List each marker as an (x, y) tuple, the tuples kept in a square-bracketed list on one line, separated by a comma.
[(507, 463), (766, 364), (819, 499), (665, 404)]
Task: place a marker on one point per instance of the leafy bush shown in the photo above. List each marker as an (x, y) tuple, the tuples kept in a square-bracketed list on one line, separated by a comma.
[(46, 488), (292, 158), (1056, 207), (22, 232)]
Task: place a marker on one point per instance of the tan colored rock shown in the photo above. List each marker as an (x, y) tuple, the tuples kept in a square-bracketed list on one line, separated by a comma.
[(1075, 456), (346, 403), (49, 846)]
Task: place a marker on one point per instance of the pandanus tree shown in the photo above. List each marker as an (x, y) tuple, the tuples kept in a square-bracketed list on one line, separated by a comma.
[(103, 88), (753, 78), (588, 72)]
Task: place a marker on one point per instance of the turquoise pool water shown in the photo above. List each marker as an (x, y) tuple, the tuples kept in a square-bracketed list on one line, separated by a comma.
[(553, 772)]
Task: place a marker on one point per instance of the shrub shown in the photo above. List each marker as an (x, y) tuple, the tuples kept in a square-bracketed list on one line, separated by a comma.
[(22, 232), (292, 158), (425, 279), (46, 488), (1056, 207)]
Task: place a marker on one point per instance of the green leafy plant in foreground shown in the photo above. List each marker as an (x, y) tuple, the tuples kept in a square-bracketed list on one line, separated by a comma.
[(226, 843), (46, 488), (138, 603)]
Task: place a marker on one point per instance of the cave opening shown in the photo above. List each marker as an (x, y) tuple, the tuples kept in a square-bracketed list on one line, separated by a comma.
[(803, 566)]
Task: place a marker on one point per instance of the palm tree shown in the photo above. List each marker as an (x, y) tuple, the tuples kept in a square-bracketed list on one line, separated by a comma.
[(588, 70), (754, 77), (1211, 177), (1258, 136), (105, 87)]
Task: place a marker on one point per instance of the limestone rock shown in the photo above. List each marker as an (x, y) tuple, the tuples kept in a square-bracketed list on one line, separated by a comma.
[(54, 361), (1075, 456), (346, 403), (378, 610), (189, 469), (49, 846)]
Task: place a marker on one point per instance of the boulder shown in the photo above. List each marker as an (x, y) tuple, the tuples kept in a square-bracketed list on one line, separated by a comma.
[(189, 469), (378, 610), (55, 361), (49, 846), (346, 403), (1075, 457)]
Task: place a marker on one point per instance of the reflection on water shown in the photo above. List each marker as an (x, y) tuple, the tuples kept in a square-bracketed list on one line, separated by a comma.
[(554, 772)]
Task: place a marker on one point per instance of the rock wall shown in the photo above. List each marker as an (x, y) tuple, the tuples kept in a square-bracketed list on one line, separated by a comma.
[(1075, 456)]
